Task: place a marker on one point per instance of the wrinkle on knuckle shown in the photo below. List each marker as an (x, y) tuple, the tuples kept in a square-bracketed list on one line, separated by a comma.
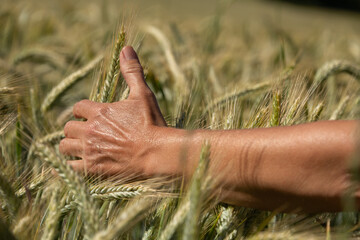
[(88, 149), (133, 67), (147, 93), (90, 130), (105, 110), (79, 104), (67, 128)]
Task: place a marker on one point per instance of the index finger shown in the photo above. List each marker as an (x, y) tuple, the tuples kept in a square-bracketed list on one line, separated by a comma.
[(86, 109)]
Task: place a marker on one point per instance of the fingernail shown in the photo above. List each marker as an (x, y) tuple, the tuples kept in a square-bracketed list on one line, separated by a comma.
[(129, 53)]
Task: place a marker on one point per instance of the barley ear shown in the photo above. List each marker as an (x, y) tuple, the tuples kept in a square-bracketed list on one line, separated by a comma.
[(196, 195), (276, 109), (333, 67), (315, 114), (129, 216), (107, 92), (68, 82), (86, 204)]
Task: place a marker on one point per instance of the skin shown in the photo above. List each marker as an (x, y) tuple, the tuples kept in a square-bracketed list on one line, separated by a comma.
[(303, 168)]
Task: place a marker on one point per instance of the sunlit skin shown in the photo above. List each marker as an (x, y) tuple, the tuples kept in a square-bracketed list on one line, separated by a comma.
[(299, 168)]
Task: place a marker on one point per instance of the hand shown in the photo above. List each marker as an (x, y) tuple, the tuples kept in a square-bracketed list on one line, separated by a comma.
[(116, 137)]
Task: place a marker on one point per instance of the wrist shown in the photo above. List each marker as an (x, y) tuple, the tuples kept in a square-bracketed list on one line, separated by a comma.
[(173, 152)]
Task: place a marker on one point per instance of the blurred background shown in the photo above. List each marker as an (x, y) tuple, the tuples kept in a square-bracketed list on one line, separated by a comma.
[(216, 64)]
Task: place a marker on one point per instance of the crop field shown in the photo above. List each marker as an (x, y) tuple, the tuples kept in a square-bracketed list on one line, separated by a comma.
[(211, 64)]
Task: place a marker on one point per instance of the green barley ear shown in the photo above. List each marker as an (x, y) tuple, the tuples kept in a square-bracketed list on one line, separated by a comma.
[(292, 112), (259, 118), (196, 195), (192, 202), (276, 109), (108, 86), (86, 204), (315, 114), (67, 83)]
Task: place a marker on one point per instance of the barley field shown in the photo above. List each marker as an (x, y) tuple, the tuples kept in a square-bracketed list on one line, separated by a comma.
[(211, 64)]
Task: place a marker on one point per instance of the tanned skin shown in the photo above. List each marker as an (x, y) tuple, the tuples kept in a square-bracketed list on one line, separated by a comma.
[(299, 168)]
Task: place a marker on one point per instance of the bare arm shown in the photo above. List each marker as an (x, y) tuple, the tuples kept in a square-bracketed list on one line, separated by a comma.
[(302, 167)]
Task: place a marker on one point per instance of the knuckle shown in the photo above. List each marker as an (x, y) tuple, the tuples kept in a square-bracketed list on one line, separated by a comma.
[(79, 104), (105, 110), (133, 66), (88, 150), (90, 131), (148, 93), (67, 128)]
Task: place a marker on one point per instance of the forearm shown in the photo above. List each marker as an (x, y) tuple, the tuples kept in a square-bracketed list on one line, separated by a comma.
[(304, 166)]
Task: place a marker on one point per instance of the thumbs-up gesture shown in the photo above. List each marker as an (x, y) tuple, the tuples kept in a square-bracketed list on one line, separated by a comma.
[(116, 137)]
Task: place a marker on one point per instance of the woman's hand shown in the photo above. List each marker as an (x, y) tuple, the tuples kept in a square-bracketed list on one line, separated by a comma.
[(116, 137)]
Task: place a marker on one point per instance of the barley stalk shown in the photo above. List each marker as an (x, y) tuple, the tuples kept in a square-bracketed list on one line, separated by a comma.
[(68, 82), (339, 111)]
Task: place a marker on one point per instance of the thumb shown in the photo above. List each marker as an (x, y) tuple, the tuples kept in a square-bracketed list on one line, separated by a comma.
[(132, 71)]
